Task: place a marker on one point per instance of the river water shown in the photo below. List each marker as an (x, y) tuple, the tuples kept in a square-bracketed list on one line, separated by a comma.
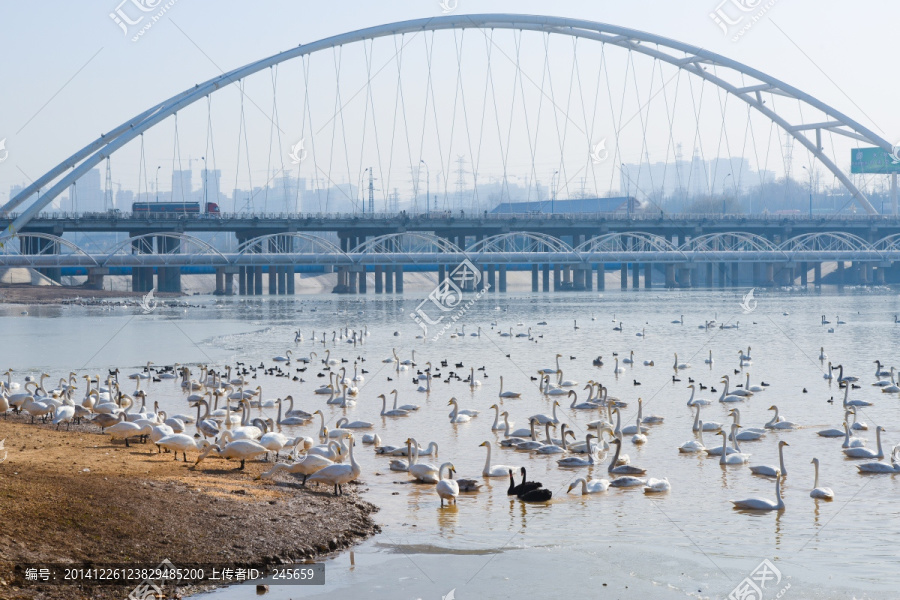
[(622, 543)]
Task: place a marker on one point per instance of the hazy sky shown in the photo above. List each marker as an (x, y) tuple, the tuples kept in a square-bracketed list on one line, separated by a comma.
[(69, 73)]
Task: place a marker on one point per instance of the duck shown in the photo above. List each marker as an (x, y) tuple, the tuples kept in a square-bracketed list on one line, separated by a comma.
[(762, 503), (820, 493), (769, 470)]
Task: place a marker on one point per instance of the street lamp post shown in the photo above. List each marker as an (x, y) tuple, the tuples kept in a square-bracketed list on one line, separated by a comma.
[(360, 188), (427, 187), (205, 186), (553, 192), (723, 192), (810, 189), (156, 186)]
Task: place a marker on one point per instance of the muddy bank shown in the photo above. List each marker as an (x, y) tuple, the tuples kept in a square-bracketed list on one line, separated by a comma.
[(74, 496), (57, 294)]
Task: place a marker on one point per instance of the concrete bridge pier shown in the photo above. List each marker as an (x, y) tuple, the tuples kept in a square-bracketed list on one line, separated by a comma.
[(635, 275), (398, 269), (588, 278), (168, 278), (684, 276), (879, 278), (735, 274), (841, 275), (95, 277), (648, 275), (502, 278), (242, 281), (786, 274), (623, 274), (283, 280), (229, 280), (258, 280), (534, 278), (708, 281), (272, 278), (141, 277), (442, 273), (769, 280), (670, 276), (220, 282), (557, 279), (817, 274), (388, 279), (722, 269), (361, 280), (352, 281), (545, 278), (379, 278), (804, 274)]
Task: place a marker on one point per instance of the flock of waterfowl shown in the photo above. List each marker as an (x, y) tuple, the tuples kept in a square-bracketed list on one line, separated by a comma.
[(219, 421)]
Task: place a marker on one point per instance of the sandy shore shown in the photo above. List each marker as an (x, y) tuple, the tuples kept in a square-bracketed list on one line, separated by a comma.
[(75, 496)]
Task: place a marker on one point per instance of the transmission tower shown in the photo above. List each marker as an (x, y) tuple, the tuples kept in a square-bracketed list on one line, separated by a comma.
[(460, 180)]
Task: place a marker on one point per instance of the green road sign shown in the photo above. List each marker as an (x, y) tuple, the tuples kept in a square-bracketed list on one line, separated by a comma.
[(874, 160)]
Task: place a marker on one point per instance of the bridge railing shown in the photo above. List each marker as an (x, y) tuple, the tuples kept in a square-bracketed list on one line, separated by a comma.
[(444, 216)]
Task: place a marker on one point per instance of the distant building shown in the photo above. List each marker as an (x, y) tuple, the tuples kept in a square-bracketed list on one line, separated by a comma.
[(581, 205), (86, 193), (182, 186)]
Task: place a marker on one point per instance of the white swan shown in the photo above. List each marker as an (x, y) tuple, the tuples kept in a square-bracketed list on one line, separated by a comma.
[(181, 442), (848, 403), (630, 359), (762, 503), (755, 388), (749, 434), (582, 405), (305, 466), (698, 401), (657, 486), (769, 470), (622, 469), (285, 358), (240, 449), (551, 370), (735, 458), (338, 475), (680, 366), (543, 419), (709, 360), (494, 470), (496, 426), (739, 392), (822, 493), (867, 452), (406, 407), (692, 446), (594, 486), (618, 369), (447, 489), (458, 415), (390, 413), (473, 383), (507, 394), (775, 423), (706, 425), (881, 467)]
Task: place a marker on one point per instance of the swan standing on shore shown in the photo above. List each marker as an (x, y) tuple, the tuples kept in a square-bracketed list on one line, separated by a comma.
[(447, 489), (338, 475)]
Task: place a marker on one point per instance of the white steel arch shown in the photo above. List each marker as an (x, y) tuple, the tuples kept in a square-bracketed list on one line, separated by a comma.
[(299, 243), (831, 241), (637, 241), (410, 243), (52, 246), (692, 59), (730, 241), (520, 241), (199, 251)]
